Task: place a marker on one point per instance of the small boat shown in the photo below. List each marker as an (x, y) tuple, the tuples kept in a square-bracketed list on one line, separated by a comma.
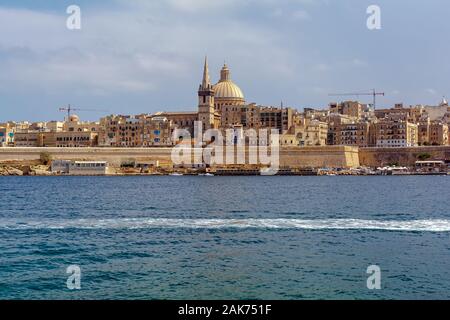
[(206, 174), (176, 174)]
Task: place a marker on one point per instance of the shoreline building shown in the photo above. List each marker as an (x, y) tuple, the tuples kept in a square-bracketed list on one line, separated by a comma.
[(85, 168)]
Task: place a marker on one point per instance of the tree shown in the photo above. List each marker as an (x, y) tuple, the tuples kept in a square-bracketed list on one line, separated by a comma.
[(424, 156), (45, 157)]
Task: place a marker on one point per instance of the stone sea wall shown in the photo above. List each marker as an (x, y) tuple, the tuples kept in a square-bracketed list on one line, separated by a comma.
[(376, 157), (295, 157)]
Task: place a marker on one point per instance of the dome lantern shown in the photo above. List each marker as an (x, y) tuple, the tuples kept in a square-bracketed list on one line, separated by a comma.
[(226, 89), (225, 74)]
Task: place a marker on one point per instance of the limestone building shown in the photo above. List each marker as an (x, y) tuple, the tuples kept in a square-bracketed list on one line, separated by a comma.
[(306, 132), (6, 135), (396, 133), (74, 124), (135, 131)]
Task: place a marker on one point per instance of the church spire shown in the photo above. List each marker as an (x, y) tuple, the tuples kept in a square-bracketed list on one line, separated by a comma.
[(206, 82), (206, 100)]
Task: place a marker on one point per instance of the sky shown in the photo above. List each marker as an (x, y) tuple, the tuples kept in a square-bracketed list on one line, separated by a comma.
[(144, 56)]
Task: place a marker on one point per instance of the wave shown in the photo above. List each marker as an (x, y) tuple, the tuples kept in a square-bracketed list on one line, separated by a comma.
[(155, 223)]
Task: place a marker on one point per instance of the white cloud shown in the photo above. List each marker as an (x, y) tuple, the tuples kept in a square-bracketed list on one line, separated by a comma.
[(133, 50), (144, 51)]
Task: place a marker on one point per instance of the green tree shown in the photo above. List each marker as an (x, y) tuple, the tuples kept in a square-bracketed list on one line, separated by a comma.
[(424, 156), (45, 157)]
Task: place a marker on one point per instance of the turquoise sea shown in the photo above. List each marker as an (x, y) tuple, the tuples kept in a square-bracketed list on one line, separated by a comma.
[(225, 237)]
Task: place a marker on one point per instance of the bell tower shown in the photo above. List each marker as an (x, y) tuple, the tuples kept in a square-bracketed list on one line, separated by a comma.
[(206, 100)]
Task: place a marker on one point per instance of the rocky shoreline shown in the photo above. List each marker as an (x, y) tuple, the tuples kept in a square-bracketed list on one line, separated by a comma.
[(26, 170), (36, 168)]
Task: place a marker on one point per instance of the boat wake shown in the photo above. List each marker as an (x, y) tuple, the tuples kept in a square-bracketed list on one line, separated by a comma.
[(159, 223)]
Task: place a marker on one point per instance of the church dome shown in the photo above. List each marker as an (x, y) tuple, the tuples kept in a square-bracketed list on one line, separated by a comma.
[(225, 88), (74, 118)]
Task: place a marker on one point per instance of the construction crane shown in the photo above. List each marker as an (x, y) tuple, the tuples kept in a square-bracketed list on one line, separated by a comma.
[(69, 109), (374, 94)]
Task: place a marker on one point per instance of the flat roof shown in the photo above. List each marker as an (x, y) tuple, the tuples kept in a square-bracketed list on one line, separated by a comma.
[(431, 161), (175, 113), (90, 162)]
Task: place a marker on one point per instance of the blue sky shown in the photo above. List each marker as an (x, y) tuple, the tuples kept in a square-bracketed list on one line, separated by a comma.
[(145, 56)]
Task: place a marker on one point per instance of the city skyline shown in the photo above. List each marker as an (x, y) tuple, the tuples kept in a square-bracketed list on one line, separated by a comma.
[(134, 57), (229, 158)]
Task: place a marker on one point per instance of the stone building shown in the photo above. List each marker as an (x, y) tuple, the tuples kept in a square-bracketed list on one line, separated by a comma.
[(61, 139), (423, 131), (396, 113), (352, 109), (350, 131), (439, 134), (27, 139), (70, 139), (134, 131), (180, 120), (392, 133), (6, 135), (276, 118), (55, 126), (250, 116), (74, 124), (350, 134), (306, 133)]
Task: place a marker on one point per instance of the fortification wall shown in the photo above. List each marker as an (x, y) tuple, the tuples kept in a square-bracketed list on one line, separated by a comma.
[(376, 157), (320, 157), (114, 156), (329, 156)]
